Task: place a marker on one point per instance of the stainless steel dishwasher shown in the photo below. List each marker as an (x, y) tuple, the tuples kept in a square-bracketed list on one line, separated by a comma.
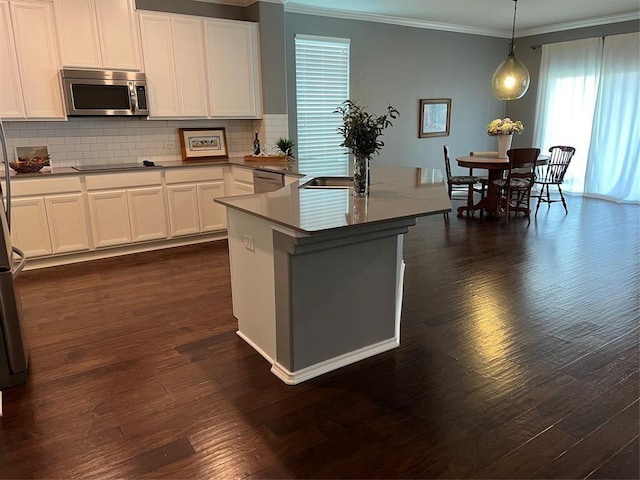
[(267, 181)]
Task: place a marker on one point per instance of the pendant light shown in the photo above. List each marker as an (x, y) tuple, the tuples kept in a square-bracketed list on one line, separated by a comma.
[(510, 81)]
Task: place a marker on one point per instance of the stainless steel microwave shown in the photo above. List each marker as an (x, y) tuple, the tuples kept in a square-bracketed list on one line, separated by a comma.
[(104, 93)]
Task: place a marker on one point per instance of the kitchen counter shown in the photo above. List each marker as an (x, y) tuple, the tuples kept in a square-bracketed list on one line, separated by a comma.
[(290, 169), (317, 274), (395, 193)]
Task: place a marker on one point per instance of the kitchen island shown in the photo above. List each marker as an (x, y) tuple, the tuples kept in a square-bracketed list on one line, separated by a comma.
[(317, 274)]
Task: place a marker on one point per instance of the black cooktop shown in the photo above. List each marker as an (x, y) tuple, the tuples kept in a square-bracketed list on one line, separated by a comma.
[(124, 166)]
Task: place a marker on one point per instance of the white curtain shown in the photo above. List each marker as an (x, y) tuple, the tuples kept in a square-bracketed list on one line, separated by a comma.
[(568, 86), (613, 168), (589, 98)]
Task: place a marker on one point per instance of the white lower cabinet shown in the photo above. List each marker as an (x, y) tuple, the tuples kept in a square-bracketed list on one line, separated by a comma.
[(192, 209), (75, 214), (29, 228), (66, 215), (48, 217), (183, 209), (213, 216), (147, 214), (242, 180), (109, 218), (126, 207)]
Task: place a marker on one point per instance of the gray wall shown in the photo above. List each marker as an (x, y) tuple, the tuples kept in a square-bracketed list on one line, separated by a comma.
[(189, 7), (272, 48), (401, 65), (525, 108)]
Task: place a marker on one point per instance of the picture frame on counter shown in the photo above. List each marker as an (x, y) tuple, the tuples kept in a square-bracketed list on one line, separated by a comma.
[(435, 117), (203, 143), (34, 153), (30, 153)]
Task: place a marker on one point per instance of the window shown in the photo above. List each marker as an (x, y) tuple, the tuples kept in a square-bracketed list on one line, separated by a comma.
[(588, 98), (322, 84)]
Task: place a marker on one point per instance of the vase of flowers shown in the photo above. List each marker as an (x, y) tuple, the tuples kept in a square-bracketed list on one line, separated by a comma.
[(361, 132), (504, 129)]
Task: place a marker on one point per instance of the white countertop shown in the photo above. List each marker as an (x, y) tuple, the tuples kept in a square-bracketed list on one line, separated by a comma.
[(395, 193)]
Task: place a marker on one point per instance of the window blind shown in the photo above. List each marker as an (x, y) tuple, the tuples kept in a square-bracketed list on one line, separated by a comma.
[(322, 84)]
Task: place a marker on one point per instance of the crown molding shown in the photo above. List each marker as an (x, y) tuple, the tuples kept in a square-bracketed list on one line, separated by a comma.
[(592, 22), (448, 27), (402, 21), (241, 3)]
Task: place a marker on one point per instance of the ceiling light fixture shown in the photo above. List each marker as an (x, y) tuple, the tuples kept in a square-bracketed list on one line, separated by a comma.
[(510, 81)]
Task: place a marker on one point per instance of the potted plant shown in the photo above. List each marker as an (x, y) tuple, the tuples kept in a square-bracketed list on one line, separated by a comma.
[(285, 147), (361, 131)]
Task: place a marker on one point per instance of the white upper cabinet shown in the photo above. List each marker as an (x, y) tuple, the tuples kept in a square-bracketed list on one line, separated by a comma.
[(174, 65), (159, 65), (98, 34), (11, 104), (190, 66), (201, 67), (233, 64), (37, 58)]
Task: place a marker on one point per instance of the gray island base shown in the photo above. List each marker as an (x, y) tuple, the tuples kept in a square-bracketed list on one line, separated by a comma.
[(317, 274)]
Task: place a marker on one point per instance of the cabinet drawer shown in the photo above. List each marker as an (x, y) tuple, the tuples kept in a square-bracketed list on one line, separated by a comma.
[(45, 185), (193, 175), (123, 180), (242, 174)]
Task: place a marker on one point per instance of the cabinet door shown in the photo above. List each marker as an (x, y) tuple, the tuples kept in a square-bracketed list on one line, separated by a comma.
[(29, 228), (78, 33), (190, 66), (37, 59), (67, 223), (147, 213), (109, 214), (11, 104), (159, 67), (118, 32), (242, 188), (183, 209), (213, 216), (233, 68)]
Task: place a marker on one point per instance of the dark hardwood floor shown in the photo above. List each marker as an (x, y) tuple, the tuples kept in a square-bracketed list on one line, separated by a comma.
[(519, 359)]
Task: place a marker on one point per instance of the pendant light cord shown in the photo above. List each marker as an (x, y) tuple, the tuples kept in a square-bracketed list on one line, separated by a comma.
[(513, 27)]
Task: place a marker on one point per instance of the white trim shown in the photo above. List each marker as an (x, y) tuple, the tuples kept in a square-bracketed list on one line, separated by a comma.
[(449, 27), (592, 22), (318, 38), (293, 378), (255, 347)]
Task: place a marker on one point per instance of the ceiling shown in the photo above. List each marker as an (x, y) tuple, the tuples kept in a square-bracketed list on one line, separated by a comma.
[(483, 17)]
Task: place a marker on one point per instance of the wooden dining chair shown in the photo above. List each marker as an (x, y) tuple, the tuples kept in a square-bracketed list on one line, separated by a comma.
[(459, 183), (484, 181), (552, 173), (514, 191)]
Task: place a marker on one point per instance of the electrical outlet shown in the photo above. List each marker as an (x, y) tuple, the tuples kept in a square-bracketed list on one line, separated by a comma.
[(248, 243), (170, 145)]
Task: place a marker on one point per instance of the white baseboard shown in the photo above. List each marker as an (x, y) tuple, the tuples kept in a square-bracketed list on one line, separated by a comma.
[(255, 347), (293, 378), (85, 256)]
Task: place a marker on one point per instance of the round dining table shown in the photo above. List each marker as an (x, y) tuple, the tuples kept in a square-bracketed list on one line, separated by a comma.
[(495, 166)]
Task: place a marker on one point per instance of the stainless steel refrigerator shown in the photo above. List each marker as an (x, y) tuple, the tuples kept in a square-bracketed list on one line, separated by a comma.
[(13, 355)]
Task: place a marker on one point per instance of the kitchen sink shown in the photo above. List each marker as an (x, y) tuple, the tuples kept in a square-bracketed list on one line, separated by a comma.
[(329, 182)]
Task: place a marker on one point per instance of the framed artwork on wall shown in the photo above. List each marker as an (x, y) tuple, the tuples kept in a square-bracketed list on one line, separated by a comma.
[(203, 143), (435, 117)]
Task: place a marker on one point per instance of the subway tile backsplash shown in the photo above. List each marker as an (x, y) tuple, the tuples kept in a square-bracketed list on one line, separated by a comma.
[(116, 141)]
